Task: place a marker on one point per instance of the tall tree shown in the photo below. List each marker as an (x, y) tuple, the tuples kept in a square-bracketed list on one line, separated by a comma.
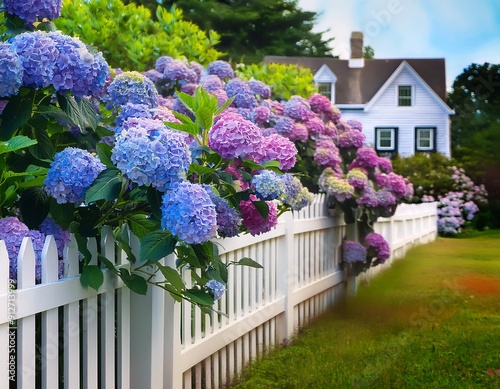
[(251, 29)]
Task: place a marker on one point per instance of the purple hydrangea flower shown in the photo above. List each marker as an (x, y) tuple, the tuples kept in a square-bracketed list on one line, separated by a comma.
[(352, 138), (353, 252), (296, 195), (368, 198), (335, 186), (393, 182), (149, 153), (176, 70), (197, 68), (315, 126), (161, 62), (216, 289), (228, 219), (12, 232), (284, 125), (261, 114), (71, 174), (259, 88), (236, 86), (385, 165), (299, 133), (189, 88), (244, 100), (212, 83), (376, 243), (365, 157), (253, 220), (320, 103), (221, 69), (327, 155), (34, 10), (131, 87), (298, 109), (189, 213), (154, 75), (130, 110), (38, 54), (233, 136), (178, 106), (358, 178), (267, 185), (386, 198), (276, 148), (11, 71), (62, 237), (355, 125), (221, 96)]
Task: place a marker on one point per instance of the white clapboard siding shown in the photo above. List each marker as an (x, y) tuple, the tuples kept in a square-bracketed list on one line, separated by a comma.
[(114, 339)]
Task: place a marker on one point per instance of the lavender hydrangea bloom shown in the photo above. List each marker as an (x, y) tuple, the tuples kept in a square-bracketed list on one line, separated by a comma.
[(211, 83), (299, 133), (365, 157), (233, 136), (131, 87), (376, 243), (261, 114), (298, 109), (38, 54), (216, 289), (259, 88), (221, 69), (228, 219), (197, 68), (276, 148), (189, 213), (335, 186), (267, 185), (315, 126), (296, 195), (368, 198), (131, 110), (327, 156), (189, 88), (236, 86), (11, 71), (62, 237), (385, 165), (358, 178), (245, 100), (176, 70), (352, 138), (386, 198), (253, 220), (161, 62), (149, 153), (355, 125), (71, 174), (284, 125), (34, 10), (154, 75), (353, 251), (320, 103), (12, 232)]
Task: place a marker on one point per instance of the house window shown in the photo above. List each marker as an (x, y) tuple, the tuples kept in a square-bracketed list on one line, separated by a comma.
[(325, 88), (404, 95), (386, 140), (425, 139)]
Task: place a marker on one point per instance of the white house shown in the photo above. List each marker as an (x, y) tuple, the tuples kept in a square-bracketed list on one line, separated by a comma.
[(400, 102)]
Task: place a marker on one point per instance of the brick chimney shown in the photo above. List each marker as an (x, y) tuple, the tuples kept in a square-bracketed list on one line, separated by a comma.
[(356, 60)]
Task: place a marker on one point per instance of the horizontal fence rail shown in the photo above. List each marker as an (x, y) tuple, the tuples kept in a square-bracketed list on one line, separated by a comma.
[(57, 333)]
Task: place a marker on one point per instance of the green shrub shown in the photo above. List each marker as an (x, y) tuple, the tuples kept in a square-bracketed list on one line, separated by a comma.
[(284, 80), (130, 39)]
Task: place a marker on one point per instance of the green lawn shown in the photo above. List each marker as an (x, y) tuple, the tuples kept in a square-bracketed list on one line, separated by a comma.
[(430, 321)]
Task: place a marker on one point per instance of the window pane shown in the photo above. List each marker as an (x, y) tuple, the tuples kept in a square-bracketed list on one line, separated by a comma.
[(404, 97), (385, 139), (325, 88), (425, 138)]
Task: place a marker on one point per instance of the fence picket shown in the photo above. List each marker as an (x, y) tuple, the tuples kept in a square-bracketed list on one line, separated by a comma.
[(8, 311)]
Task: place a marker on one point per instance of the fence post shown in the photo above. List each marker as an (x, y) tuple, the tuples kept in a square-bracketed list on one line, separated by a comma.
[(285, 323)]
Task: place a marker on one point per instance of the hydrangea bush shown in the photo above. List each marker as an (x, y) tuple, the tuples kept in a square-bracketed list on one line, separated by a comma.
[(154, 154)]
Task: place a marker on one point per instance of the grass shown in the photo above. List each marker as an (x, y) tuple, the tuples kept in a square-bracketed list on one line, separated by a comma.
[(430, 321)]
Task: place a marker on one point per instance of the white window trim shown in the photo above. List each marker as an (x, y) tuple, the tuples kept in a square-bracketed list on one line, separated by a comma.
[(432, 137), (378, 147), (413, 96)]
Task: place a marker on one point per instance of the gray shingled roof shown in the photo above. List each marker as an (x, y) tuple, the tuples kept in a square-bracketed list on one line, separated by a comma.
[(359, 85)]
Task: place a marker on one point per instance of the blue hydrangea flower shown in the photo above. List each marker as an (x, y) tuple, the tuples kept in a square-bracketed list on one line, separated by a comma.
[(259, 88), (216, 289), (235, 86), (38, 53), (77, 70), (11, 71), (353, 251), (33, 10), (284, 125), (296, 195), (131, 87), (221, 69), (189, 213), (62, 237), (149, 153), (228, 219), (161, 62), (298, 109), (212, 83), (130, 110), (267, 185), (71, 174), (176, 70)]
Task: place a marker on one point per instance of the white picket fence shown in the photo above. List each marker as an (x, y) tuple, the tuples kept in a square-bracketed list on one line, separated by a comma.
[(59, 334)]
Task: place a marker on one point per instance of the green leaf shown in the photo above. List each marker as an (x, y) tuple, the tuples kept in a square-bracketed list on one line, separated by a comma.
[(200, 170), (187, 100), (155, 201), (204, 117), (34, 205), (141, 224), (62, 213), (15, 114), (134, 282), (262, 208), (104, 152), (248, 163), (190, 128), (88, 113), (71, 108), (224, 106), (157, 245), (44, 149), (249, 262), (91, 277), (199, 297), (16, 143), (56, 113), (173, 277), (106, 262), (107, 186)]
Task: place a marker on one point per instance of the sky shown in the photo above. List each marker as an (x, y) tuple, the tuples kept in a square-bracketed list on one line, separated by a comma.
[(461, 31)]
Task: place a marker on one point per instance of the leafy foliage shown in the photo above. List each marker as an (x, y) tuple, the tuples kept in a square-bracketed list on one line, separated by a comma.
[(287, 80), (130, 39)]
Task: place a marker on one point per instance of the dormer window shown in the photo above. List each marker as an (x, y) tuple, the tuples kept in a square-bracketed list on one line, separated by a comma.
[(405, 96), (325, 88)]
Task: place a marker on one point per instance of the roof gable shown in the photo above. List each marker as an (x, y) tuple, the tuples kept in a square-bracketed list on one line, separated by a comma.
[(325, 74), (406, 66)]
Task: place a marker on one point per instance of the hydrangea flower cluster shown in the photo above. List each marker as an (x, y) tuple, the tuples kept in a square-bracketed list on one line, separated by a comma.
[(71, 173), (131, 87), (149, 153), (177, 70), (221, 69), (228, 219), (189, 213), (216, 289), (377, 246), (337, 187), (353, 252), (296, 195), (62, 237), (253, 220), (268, 185), (11, 71), (31, 11), (276, 148)]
